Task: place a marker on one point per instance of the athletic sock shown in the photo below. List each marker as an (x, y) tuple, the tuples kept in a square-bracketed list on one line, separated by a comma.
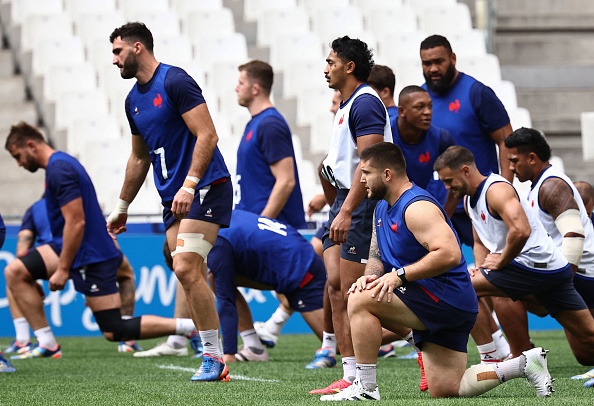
[(367, 376), (349, 368), (184, 326), (21, 327), (177, 342), (329, 342), (252, 341), (503, 348), (488, 353), (510, 369), (46, 338), (210, 342), (277, 321)]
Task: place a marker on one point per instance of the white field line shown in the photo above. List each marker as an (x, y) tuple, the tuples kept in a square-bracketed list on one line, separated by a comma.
[(238, 377)]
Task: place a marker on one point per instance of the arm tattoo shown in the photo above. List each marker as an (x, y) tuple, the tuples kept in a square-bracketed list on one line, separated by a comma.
[(426, 245), (555, 197), (374, 262)]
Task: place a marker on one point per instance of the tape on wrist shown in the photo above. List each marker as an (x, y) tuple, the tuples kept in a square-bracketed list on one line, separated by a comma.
[(188, 189)]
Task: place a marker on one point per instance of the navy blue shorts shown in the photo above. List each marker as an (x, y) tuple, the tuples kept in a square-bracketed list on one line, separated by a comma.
[(553, 289), (310, 294), (320, 233), (585, 287), (447, 325), (97, 279), (212, 203), (34, 262), (463, 227), (356, 247)]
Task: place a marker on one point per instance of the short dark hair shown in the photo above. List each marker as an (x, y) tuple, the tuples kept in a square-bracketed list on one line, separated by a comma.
[(408, 90), (21, 133), (382, 76), (134, 32), (260, 72), (436, 40), (385, 155), (352, 49), (527, 140), (455, 157)]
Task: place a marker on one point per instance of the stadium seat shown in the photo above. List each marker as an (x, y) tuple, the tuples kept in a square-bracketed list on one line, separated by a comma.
[(587, 127), (420, 5), (445, 19), (88, 129), (93, 26), (311, 100), (468, 44), (48, 53), (483, 68), (506, 91), (408, 71), (297, 147), (276, 23), (21, 9), (254, 9), (393, 46), (229, 151), (39, 27), (59, 79), (312, 6), (303, 71), (198, 24), (288, 48), (519, 117), (176, 50), (377, 4), (184, 7), (73, 105), (332, 23), (131, 8), (76, 8), (162, 23), (381, 21), (557, 162), (212, 49), (320, 132)]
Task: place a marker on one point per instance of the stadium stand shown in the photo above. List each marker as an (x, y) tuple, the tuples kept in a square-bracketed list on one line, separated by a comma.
[(52, 42)]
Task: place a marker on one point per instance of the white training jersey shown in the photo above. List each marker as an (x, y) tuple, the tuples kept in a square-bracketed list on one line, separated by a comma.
[(539, 253), (586, 266), (343, 156)]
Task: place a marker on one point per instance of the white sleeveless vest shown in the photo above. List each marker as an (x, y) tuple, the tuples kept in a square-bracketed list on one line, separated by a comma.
[(343, 157), (539, 252), (586, 266)]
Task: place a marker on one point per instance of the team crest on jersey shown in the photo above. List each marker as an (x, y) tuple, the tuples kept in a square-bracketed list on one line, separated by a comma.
[(425, 158), (249, 135), (532, 202), (394, 227), (208, 212), (158, 101), (352, 250), (341, 120), (455, 106), (483, 217)]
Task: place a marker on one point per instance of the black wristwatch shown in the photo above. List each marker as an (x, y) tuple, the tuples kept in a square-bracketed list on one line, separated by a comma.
[(402, 275)]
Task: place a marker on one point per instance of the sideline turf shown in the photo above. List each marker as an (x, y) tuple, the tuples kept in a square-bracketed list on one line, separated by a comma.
[(92, 372)]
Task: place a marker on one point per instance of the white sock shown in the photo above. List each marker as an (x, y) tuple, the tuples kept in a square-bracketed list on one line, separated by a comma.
[(21, 327), (252, 341), (349, 368), (367, 375), (503, 348), (177, 342), (46, 338), (277, 321), (410, 339), (184, 326), (210, 341), (329, 342), (510, 369), (488, 353)]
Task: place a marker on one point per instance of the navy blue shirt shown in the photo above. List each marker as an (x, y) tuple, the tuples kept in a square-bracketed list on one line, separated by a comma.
[(35, 220)]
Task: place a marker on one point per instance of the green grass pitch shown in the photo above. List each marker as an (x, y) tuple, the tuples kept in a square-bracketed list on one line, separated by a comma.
[(92, 372)]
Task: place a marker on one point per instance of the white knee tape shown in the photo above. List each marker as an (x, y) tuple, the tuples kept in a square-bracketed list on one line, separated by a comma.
[(192, 242)]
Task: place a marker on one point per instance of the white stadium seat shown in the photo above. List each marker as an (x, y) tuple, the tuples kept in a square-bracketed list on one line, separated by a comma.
[(198, 24), (276, 23), (40, 27), (483, 68), (176, 50), (59, 79), (445, 19), (320, 132), (230, 47), (78, 7), (587, 127), (310, 101), (420, 5), (519, 117), (50, 53), (393, 46), (394, 19), (184, 7), (288, 48), (93, 26), (506, 91), (74, 105), (303, 71), (254, 9), (313, 6), (131, 8), (468, 44), (332, 23), (162, 23), (88, 129)]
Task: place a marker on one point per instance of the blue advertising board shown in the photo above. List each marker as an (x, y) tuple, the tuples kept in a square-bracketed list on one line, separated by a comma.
[(155, 290)]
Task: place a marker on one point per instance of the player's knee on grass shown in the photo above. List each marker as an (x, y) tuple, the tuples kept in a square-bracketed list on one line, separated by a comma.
[(114, 328)]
